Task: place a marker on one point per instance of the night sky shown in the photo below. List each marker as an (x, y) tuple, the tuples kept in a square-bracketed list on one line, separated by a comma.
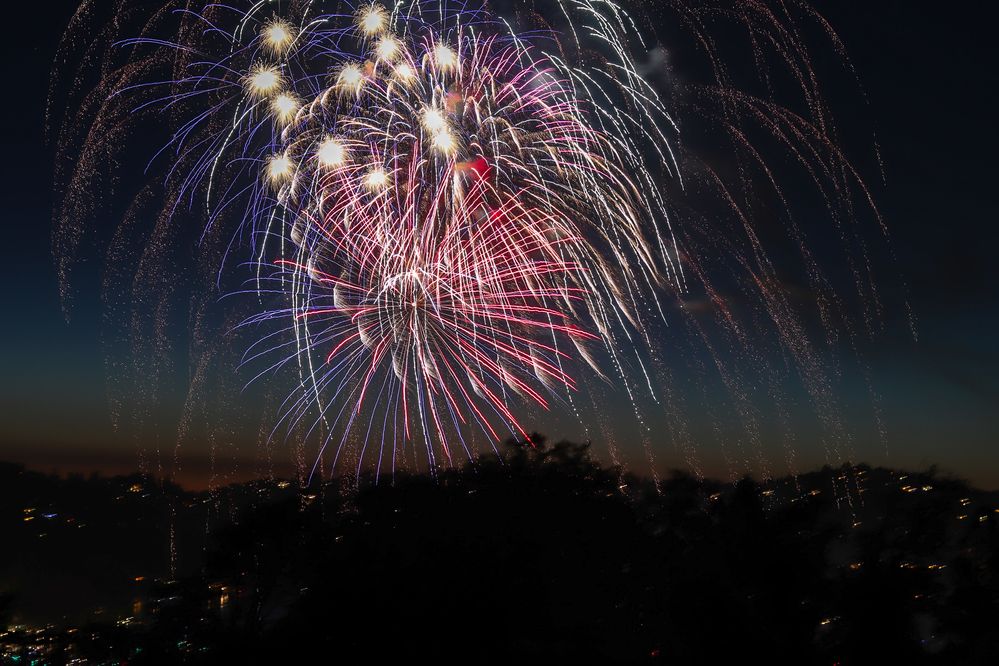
[(932, 78)]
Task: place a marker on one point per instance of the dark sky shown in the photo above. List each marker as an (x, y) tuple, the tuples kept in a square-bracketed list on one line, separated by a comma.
[(931, 74)]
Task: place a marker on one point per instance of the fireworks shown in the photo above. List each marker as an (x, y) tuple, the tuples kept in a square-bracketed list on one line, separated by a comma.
[(462, 224), (263, 81), (277, 36), (466, 222)]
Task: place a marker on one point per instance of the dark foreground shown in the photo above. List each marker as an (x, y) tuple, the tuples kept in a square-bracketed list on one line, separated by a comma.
[(545, 558)]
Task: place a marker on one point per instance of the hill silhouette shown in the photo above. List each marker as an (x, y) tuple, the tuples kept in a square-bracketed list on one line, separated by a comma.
[(543, 555)]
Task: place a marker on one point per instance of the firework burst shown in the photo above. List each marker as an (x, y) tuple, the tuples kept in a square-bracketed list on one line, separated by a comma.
[(452, 221), (462, 226)]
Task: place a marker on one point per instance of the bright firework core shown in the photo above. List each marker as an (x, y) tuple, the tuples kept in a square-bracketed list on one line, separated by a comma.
[(404, 71), (277, 36), (376, 178), (279, 168), (264, 81), (387, 48), (284, 107), (445, 57), (372, 20), (331, 153), (351, 78)]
